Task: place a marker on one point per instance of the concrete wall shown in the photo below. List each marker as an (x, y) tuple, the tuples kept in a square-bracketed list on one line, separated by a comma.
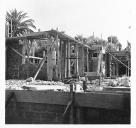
[(34, 113), (43, 107)]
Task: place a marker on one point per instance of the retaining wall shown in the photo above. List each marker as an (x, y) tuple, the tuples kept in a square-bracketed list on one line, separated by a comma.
[(47, 107)]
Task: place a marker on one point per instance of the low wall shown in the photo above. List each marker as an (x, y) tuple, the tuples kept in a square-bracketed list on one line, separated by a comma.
[(46, 107)]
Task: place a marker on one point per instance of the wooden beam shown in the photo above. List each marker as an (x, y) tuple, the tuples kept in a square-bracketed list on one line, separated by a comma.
[(40, 66)]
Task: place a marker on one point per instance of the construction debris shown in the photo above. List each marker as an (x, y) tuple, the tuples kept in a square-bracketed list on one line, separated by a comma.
[(36, 85), (121, 82), (14, 84)]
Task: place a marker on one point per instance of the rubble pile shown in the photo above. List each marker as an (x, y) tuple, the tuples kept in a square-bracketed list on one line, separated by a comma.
[(94, 85), (36, 85), (118, 82), (97, 85), (42, 82), (14, 84)]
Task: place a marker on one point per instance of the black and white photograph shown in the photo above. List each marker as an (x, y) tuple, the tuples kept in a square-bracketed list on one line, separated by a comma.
[(68, 62)]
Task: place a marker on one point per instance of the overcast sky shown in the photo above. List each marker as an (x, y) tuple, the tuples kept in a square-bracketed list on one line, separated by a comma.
[(103, 17)]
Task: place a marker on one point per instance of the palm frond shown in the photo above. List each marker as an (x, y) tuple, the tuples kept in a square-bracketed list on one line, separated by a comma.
[(20, 23)]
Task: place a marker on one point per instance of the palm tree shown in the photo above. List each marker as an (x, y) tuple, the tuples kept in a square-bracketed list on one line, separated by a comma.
[(18, 24)]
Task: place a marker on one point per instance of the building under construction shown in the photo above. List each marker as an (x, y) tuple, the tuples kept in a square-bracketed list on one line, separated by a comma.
[(65, 81)]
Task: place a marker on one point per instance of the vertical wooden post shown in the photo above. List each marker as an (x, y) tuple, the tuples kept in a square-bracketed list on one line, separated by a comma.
[(11, 27), (23, 52), (87, 60), (66, 44), (68, 60), (33, 50), (110, 66), (49, 63), (28, 52), (117, 68), (83, 60), (60, 60), (128, 63), (77, 68), (80, 62)]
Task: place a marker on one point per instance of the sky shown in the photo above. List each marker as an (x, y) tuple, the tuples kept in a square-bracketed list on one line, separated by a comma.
[(103, 17)]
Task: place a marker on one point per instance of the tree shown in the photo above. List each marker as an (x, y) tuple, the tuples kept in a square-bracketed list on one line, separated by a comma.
[(18, 23), (113, 44), (113, 39), (91, 40), (81, 38)]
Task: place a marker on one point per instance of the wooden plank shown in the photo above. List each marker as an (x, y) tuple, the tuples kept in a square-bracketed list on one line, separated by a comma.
[(39, 68)]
